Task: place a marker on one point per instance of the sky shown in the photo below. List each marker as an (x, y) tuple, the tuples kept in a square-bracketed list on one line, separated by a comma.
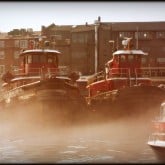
[(29, 14)]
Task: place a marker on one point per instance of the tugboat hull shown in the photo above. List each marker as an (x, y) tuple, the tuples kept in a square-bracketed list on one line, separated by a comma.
[(126, 102), (52, 98)]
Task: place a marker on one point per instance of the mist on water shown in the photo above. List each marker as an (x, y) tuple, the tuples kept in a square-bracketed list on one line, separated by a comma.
[(29, 135)]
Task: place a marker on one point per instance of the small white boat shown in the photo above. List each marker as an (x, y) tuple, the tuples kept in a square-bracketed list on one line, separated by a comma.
[(157, 138)]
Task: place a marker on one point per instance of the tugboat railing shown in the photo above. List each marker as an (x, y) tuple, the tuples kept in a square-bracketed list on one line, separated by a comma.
[(152, 71), (144, 72), (43, 72), (138, 72)]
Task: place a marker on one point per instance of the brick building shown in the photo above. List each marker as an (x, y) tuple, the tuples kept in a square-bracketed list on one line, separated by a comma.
[(10, 47), (86, 48), (147, 36), (150, 35), (60, 37), (82, 48)]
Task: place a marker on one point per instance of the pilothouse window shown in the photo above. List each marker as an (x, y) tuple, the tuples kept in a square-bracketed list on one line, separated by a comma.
[(50, 59), (36, 59), (130, 58), (29, 59), (122, 58), (43, 59)]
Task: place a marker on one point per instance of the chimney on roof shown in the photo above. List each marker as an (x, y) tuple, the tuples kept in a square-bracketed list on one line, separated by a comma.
[(99, 19)]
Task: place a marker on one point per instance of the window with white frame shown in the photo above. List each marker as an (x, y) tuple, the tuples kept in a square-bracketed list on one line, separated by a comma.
[(23, 43), (2, 69), (2, 54), (2, 44), (16, 54)]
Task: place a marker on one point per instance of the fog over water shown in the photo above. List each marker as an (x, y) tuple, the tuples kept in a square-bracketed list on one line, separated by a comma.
[(30, 139)]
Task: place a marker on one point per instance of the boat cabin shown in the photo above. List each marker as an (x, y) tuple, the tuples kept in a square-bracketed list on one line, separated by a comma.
[(34, 62), (125, 63), (123, 70)]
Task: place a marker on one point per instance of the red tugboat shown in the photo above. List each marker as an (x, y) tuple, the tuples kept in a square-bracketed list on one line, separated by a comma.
[(124, 85), (40, 83), (157, 138)]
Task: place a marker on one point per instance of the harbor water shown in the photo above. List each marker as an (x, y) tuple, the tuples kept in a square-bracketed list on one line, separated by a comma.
[(116, 141)]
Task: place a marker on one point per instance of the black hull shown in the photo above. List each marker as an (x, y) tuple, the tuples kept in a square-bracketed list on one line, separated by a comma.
[(134, 101), (51, 99)]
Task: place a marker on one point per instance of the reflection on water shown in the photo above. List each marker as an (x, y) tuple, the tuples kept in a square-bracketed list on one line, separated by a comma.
[(119, 141)]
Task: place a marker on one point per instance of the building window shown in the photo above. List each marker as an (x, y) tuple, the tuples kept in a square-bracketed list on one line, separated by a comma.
[(23, 44), (79, 55), (67, 41), (74, 38), (16, 43), (80, 38), (144, 35), (125, 34), (2, 69), (16, 54), (2, 44), (2, 54), (160, 35), (56, 37), (161, 60)]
